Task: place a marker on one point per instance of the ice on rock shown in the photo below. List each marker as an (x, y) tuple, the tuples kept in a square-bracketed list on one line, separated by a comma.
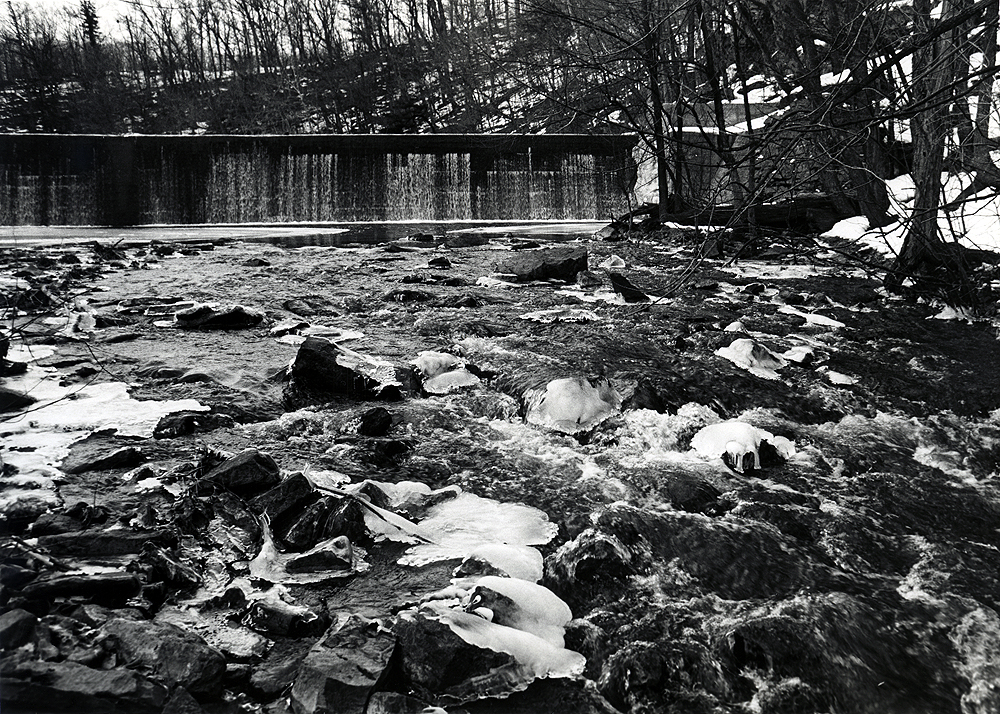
[(538, 657), (520, 604), (443, 373), (738, 439), (753, 357), (460, 525), (517, 561), (571, 405)]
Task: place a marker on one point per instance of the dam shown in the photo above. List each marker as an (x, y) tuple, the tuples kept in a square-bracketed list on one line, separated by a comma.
[(134, 180)]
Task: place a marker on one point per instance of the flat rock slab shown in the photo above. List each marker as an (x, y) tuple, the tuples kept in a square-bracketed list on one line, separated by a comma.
[(341, 669), (106, 588), (553, 264), (247, 473), (73, 687), (115, 541), (177, 656)]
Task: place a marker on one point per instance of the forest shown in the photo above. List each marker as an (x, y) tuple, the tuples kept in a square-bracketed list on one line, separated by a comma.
[(778, 97)]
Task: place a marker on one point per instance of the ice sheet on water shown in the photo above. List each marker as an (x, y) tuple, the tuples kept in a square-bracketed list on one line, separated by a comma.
[(466, 522)]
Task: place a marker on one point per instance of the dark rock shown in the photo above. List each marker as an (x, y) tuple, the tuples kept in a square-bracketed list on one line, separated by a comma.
[(290, 495), (645, 396), (93, 542), (273, 616), (230, 317), (645, 676), (377, 421), (72, 519), (178, 657), (72, 687), (435, 661), (12, 400), (310, 526), (732, 558), (110, 589), (181, 702), (629, 292), (790, 297), (395, 703), (15, 576), (466, 240), (713, 248), (341, 669), (16, 628), (278, 668), (322, 372), (754, 288), (246, 474), (184, 423), (439, 262), (81, 461), (256, 262), (554, 264)]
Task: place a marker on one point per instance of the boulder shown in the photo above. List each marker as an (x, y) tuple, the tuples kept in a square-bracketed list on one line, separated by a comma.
[(228, 317), (16, 628), (109, 589), (184, 423), (553, 264), (288, 496), (113, 541), (178, 657), (246, 474), (73, 687), (571, 405), (629, 292), (124, 458), (341, 669), (12, 400), (323, 371), (732, 558)]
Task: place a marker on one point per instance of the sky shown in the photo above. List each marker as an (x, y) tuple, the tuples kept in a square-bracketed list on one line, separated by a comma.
[(108, 11)]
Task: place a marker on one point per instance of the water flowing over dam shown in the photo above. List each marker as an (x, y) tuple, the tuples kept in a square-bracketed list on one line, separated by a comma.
[(143, 179)]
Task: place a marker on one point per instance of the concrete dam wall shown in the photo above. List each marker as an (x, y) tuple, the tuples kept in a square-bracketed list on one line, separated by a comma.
[(58, 179)]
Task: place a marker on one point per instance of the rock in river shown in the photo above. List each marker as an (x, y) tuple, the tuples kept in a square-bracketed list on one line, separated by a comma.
[(555, 264), (323, 371), (229, 317)]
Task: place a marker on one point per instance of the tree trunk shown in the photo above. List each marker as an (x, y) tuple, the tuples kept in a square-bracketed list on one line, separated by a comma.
[(933, 73)]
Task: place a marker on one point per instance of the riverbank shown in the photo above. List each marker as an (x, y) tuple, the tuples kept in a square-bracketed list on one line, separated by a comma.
[(849, 563)]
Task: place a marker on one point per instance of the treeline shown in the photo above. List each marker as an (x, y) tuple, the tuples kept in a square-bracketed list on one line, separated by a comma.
[(257, 66), (854, 91)]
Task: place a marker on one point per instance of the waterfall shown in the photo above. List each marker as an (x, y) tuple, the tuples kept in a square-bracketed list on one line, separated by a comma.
[(136, 180)]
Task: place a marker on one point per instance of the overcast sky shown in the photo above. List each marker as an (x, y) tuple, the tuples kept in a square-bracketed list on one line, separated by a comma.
[(108, 10)]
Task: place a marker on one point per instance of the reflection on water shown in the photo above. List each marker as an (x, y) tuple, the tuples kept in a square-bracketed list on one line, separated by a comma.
[(425, 234)]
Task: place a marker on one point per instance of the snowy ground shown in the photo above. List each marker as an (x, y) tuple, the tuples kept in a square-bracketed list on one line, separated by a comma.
[(976, 224)]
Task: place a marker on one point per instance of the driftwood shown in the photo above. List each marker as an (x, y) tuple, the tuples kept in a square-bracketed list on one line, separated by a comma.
[(805, 212)]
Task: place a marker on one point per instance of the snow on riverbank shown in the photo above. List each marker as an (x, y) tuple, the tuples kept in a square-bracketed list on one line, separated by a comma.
[(974, 224)]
